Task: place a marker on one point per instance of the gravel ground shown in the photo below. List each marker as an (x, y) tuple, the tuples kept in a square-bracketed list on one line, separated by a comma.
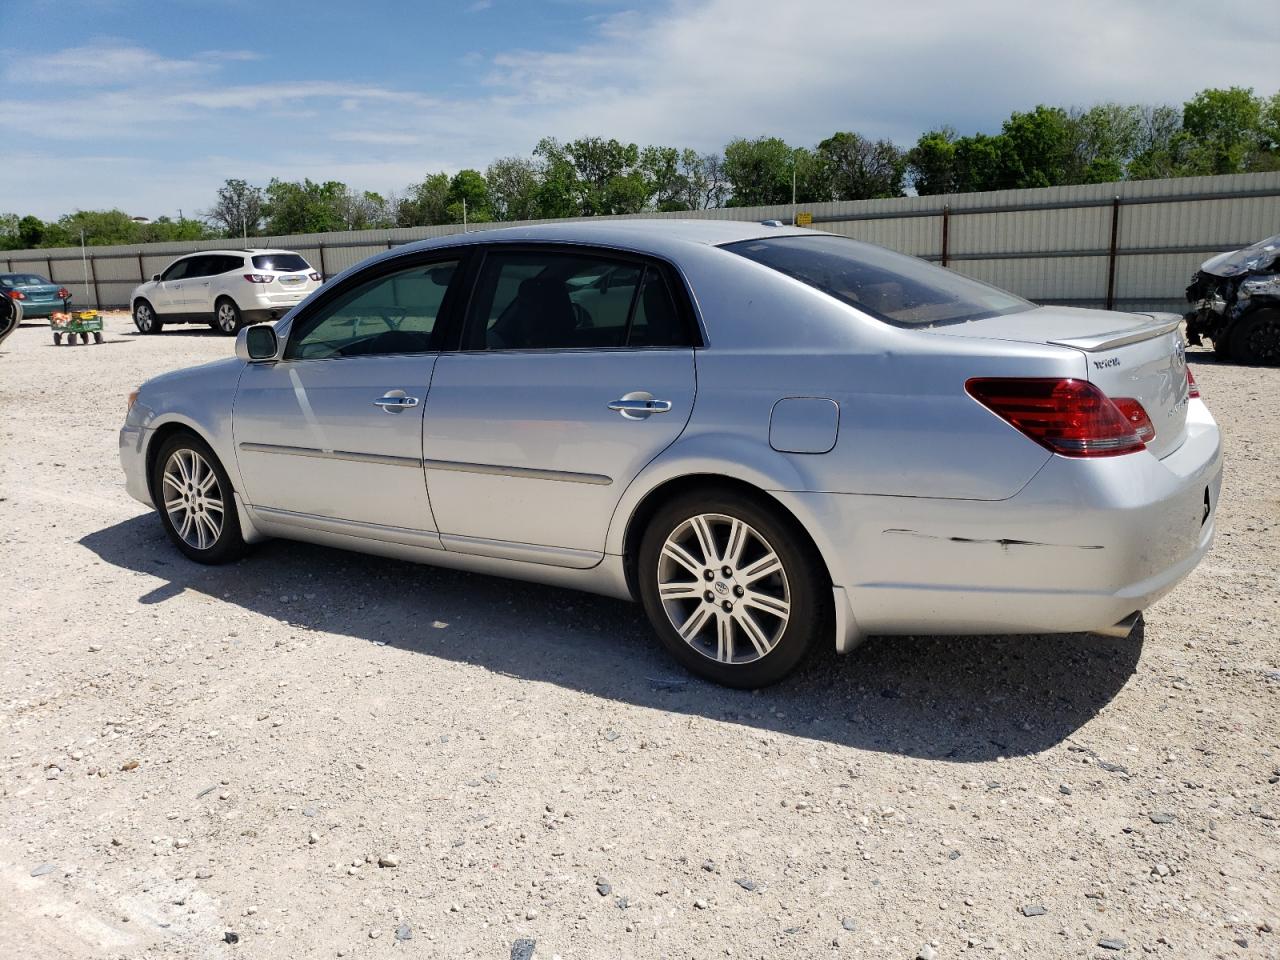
[(314, 753)]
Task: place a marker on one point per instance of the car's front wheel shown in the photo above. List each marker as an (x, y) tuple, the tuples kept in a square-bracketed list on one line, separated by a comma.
[(227, 318), (1255, 338), (145, 319), (194, 496), (734, 590)]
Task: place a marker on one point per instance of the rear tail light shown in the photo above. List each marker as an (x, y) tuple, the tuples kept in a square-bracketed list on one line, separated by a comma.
[(1137, 416), (315, 276), (17, 295), (64, 293), (1070, 417), (1193, 391), (259, 277)]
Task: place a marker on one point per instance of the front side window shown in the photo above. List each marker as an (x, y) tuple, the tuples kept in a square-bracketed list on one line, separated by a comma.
[(562, 300), (394, 313), (179, 269), (889, 286)]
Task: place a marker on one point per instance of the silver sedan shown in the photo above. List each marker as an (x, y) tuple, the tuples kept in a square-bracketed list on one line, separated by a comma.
[(770, 437)]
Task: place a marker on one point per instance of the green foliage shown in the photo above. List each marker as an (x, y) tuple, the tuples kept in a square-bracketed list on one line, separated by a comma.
[(854, 168), (931, 163), (512, 186), (238, 210), (1225, 127), (759, 171)]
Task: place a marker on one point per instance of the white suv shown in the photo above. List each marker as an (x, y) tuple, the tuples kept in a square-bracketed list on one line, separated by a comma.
[(223, 288)]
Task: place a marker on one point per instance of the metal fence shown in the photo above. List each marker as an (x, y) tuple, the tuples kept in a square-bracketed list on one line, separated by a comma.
[(1125, 246)]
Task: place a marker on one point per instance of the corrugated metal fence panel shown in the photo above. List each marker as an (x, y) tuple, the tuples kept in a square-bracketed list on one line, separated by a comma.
[(1049, 244)]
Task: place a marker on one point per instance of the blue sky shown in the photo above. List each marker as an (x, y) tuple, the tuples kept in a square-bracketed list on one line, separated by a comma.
[(148, 106)]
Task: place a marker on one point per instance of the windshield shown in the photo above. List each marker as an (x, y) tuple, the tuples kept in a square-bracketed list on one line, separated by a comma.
[(280, 262), (22, 280), (889, 286)]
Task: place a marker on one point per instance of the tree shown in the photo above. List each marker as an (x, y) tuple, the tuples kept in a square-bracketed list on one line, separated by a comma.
[(1107, 137), (1225, 128), (471, 188), (661, 168), (858, 169), (981, 163), (608, 177), (759, 171), (238, 209), (425, 203), (932, 162), (305, 207), (31, 232), (557, 193), (512, 188), (702, 180), (1161, 145), (1039, 148)]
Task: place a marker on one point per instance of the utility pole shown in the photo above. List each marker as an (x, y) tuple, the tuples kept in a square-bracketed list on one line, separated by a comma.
[(464, 214), (84, 262), (794, 154)]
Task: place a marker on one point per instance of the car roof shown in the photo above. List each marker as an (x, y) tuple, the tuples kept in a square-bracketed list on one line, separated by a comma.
[(659, 235), (252, 251)]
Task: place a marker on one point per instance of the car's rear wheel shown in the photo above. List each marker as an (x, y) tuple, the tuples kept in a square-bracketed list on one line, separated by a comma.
[(194, 497), (734, 590), (145, 319), (227, 318), (1255, 338)]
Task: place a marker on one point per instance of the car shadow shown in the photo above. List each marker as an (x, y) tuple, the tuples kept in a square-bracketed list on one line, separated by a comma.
[(960, 699), (194, 330)]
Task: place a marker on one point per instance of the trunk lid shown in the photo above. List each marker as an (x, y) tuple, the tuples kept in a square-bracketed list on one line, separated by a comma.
[(1141, 356)]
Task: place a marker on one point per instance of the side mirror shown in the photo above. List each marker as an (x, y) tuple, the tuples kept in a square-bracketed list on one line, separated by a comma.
[(155, 278), (257, 344)]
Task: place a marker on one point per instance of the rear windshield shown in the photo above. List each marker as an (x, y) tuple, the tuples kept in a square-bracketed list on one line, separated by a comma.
[(889, 286), (280, 262), (22, 280)]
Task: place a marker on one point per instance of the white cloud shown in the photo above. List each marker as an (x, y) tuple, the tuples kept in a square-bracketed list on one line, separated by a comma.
[(690, 74)]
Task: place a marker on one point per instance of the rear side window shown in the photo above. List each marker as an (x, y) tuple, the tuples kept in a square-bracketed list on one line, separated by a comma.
[(889, 286), (559, 300), (227, 263), (280, 262)]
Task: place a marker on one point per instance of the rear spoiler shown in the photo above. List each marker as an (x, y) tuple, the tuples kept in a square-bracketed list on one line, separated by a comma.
[(1163, 323)]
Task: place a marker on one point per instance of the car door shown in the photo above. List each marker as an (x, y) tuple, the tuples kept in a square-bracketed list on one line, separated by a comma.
[(576, 369), (10, 316), (199, 289), (332, 432), (166, 295)]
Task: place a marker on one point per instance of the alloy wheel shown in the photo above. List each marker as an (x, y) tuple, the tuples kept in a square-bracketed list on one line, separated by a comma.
[(142, 314), (193, 498), (724, 588), (226, 317)]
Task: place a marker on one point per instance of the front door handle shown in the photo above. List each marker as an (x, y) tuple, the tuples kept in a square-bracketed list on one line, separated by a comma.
[(395, 401), (633, 407)]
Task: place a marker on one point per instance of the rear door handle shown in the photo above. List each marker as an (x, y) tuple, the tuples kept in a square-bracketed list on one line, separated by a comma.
[(639, 408)]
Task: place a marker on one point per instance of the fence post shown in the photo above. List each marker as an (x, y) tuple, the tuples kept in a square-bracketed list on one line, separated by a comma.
[(48, 261), (142, 274), (1111, 256), (946, 231), (324, 271)]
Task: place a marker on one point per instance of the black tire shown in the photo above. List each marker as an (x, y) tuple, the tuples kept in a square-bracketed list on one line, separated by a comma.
[(228, 545), (803, 581), (1222, 348), (227, 318), (1255, 339), (146, 319), (97, 338), (57, 339)]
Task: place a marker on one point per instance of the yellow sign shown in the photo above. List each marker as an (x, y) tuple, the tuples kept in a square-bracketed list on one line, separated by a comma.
[(804, 219)]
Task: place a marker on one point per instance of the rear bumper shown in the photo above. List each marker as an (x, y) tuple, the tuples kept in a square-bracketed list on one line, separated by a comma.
[(40, 311), (1084, 544)]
